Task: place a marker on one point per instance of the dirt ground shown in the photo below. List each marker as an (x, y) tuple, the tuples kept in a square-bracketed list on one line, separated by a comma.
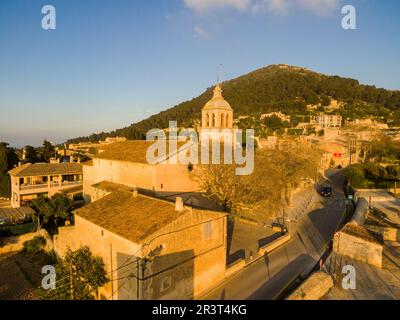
[(20, 273)]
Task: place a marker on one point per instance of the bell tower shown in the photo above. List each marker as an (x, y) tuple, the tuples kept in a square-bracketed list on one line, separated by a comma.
[(217, 113)]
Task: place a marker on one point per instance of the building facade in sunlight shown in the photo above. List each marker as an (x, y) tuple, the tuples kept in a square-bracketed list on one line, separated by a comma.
[(152, 249), (28, 181)]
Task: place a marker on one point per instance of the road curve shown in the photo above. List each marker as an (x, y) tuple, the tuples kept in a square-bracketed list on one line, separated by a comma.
[(265, 278)]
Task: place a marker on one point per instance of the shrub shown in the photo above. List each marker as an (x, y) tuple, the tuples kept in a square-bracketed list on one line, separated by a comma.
[(35, 245), (17, 230), (356, 177)]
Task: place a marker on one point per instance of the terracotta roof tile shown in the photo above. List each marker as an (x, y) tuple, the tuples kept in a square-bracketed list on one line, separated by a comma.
[(131, 151), (42, 169), (135, 218)]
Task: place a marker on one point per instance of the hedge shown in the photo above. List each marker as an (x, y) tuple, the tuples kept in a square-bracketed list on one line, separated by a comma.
[(17, 230)]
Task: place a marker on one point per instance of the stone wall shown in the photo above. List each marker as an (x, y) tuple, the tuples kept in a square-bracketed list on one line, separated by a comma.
[(187, 265), (388, 234), (361, 212), (110, 247), (314, 288), (161, 178), (274, 244), (358, 248)]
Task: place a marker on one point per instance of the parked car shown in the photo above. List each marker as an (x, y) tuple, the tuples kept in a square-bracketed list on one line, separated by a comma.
[(326, 191)]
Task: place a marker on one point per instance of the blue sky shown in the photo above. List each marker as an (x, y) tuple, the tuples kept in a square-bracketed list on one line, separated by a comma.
[(111, 63)]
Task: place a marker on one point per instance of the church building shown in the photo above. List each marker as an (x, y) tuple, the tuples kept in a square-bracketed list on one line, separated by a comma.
[(217, 113)]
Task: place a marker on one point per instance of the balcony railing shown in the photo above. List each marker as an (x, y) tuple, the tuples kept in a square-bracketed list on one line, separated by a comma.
[(71, 183), (33, 186), (52, 185)]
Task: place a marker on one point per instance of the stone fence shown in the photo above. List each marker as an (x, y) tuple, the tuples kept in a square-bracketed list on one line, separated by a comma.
[(314, 288), (361, 212), (268, 248)]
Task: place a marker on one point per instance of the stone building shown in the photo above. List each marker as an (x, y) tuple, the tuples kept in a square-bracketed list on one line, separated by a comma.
[(217, 113), (126, 163), (28, 181), (152, 249), (329, 121)]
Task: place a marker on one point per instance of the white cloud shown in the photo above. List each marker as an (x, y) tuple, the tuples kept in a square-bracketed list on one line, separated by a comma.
[(320, 7), (201, 32), (279, 7), (209, 5)]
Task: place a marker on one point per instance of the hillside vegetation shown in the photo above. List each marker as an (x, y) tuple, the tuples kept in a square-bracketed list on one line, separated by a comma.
[(276, 88)]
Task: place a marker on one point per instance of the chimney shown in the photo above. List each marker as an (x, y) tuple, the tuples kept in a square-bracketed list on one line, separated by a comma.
[(179, 204), (135, 192), (79, 159), (19, 163)]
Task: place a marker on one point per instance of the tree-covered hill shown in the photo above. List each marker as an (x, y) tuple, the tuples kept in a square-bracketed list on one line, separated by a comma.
[(275, 88)]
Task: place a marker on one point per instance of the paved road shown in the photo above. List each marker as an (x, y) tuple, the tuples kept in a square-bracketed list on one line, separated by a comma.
[(265, 278)]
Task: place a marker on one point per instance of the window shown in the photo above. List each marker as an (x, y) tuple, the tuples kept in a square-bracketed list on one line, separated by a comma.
[(207, 230)]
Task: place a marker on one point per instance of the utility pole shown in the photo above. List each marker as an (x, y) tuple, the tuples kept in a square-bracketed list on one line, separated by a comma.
[(71, 283)]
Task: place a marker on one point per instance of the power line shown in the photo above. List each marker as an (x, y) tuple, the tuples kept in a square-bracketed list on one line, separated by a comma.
[(125, 264)]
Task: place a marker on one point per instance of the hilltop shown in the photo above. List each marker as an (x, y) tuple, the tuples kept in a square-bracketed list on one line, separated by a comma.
[(284, 88)]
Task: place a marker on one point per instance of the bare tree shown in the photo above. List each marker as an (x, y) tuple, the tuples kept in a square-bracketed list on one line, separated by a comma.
[(268, 188)]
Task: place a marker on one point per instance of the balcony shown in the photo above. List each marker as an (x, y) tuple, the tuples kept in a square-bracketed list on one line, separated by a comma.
[(52, 185), (33, 186)]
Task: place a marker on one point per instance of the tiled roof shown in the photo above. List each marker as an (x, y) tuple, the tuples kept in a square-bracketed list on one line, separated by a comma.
[(130, 151), (15, 213), (111, 186), (136, 218), (43, 169)]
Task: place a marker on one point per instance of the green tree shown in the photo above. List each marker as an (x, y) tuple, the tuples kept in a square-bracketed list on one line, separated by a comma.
[(54, 209), (355, 176), (79, 276), (325, 101), (47, 151), (31, 154), (274, 88), (275, 123), (8, 159)]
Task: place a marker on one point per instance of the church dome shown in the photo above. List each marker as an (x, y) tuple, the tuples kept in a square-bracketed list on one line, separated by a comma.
[(217, 101)]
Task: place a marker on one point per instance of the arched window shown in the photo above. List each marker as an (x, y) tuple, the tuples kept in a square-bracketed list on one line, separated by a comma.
[(213, 120), (207, 120), (222, 121), (227, 120)]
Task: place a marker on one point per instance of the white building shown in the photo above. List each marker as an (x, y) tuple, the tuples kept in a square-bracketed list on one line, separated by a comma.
[(329, 121)]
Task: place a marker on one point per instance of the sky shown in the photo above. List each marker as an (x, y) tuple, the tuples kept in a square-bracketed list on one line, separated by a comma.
[(110, 63)]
